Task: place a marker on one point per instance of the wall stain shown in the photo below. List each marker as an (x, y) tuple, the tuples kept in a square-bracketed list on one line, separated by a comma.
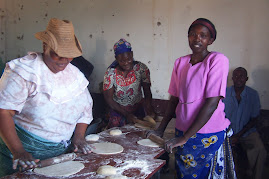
[(110, 50), (103, 31), (149, 62), (19, 18), (46, 15), (2, 33), (159, 23), (127, 35), (36, 21), (157, 91), (15, 22), (90, 35), (20, 37), (2, 52), (59, 1), (21, 7)]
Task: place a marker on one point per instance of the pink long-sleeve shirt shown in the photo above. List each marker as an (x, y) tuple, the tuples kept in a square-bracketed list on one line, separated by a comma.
[(192, 84)]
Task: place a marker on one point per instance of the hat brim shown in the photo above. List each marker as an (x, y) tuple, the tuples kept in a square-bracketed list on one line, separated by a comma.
[(71, 49)]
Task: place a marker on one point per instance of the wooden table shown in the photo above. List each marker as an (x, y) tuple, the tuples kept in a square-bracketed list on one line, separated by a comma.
[(135, 161)]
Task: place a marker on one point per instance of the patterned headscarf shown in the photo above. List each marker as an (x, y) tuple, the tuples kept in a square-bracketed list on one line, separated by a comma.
[(122, 46), (208, 24)]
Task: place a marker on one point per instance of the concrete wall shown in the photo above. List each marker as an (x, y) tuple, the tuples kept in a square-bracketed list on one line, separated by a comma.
[(157, 30)]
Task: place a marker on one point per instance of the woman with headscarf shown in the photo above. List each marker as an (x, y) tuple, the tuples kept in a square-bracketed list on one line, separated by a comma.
[(198, 84), (123, 81), (44, 100)]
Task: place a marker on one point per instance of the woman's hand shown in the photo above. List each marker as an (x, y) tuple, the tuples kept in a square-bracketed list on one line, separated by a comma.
[(24, 160), (153, 115), (80, 145), (174, 142), (154, 132), (234, 140), (21, 158), (131, 118)]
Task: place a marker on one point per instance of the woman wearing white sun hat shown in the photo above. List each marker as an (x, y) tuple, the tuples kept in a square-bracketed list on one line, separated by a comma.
[(44, 100)]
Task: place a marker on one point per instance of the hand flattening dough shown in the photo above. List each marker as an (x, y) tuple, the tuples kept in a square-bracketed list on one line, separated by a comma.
[(115, 132), (148, 143), (106, 170), (61, 169), (92, 137), (107, 148)]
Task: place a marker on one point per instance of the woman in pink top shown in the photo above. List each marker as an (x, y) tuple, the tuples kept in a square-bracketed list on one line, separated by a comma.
[(198, 84)]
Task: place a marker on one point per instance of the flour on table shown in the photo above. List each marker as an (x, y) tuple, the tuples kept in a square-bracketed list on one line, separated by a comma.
[(107, 148), (145, 167), (115, 132), (61, 169), (148, 143), (92, 137), (106, 170), (116, 177)]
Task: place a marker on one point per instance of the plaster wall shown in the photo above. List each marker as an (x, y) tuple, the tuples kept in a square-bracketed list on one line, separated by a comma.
[(157, 30)]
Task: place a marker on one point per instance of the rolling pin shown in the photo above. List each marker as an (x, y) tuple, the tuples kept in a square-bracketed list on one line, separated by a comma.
[(56, 160), (53, 161), (156, 139)]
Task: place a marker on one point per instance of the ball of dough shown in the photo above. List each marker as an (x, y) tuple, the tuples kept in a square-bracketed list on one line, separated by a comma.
[(106, 170), (92, 137), (115, 132), (116, 177)]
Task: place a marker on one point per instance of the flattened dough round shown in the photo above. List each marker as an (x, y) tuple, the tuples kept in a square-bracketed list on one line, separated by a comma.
[(61, 169), (115, 132), (107, 148), (116, 177), (106, 170), (148, 143), (92, 137)]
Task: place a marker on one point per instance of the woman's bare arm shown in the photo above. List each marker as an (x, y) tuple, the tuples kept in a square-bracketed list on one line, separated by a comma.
[(9, 135)]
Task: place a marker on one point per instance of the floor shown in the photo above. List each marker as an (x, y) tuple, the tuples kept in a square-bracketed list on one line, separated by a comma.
[(171, 173), (168, 134)]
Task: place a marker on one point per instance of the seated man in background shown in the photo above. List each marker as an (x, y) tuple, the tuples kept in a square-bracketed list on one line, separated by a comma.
[(242, 107)]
